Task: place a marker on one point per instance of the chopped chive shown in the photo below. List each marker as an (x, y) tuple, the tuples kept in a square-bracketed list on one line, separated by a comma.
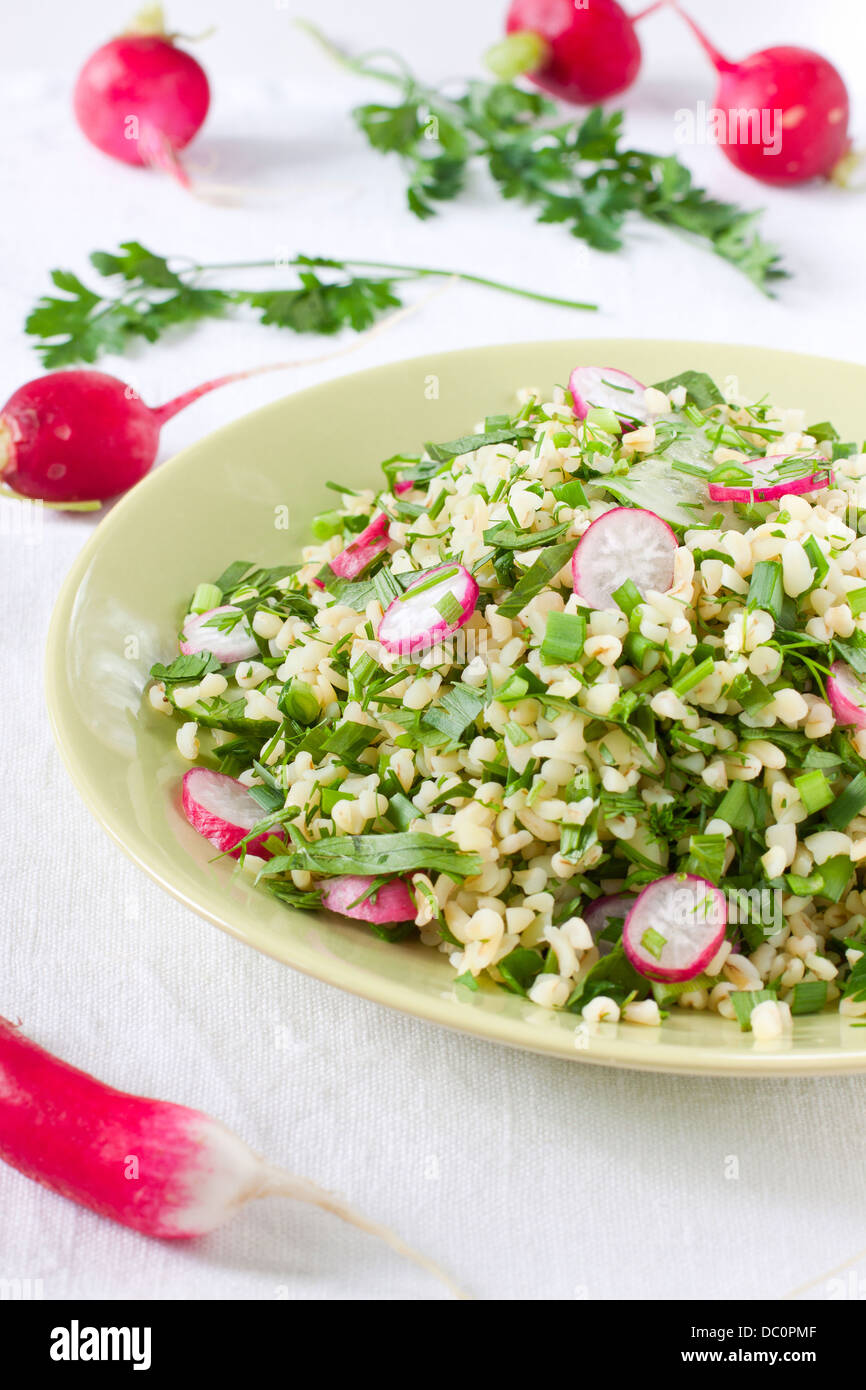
[(836, 874), (804, 887), (818, 560), (744, 1001), (299, 701), (429, 583), (564, 636), (516, 734), (599, 417), (857, 601)]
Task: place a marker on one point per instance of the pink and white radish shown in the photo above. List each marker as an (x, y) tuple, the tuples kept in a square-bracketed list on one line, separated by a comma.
[(846, 696), (141, 99), (201, 633), (769, 480), (81, 436), (579, 53), (431, 610), (362, 551), (601, 910), (223, 811), (159, 1168), (794, 104), (675, 927), (608, 388), (624, 543), (391, 901)]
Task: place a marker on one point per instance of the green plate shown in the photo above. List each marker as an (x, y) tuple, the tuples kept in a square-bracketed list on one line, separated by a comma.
[(222, 499)]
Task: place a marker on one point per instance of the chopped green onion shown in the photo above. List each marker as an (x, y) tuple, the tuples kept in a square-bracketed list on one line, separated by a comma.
[(744, 1001), (818, 560), (653, 942), (601, 418), (516, 734), (689, 679), (564, 637), (804, 887), (326, 525), (206, 597), (857, 601), (299, 701), (849, 804), (627, 597), (765, 587), (815, 791), (808, 997), (429, 582), (836, 874), (449, 607)]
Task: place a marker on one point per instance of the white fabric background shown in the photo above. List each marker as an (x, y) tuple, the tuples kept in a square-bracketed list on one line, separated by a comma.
[(528, 1178)]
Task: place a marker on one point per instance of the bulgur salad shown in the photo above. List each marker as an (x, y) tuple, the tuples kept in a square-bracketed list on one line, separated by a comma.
[(579, 698)]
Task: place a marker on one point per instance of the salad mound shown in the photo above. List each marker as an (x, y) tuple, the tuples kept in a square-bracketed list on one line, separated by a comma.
[(579, 698)]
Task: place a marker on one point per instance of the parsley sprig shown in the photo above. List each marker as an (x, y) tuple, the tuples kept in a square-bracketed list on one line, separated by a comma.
[(577, 172), (143, 295)]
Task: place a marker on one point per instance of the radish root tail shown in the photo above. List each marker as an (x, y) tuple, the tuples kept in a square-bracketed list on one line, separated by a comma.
[(276, 1183)]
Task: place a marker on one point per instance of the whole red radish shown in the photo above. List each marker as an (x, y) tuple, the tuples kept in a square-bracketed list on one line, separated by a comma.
[(140, 98), (159, 1168), (83, 436), (582, 53), (781, 114)]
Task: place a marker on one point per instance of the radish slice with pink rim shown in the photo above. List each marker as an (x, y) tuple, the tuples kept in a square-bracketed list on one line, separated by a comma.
[(846, 695), (624, 543), (768, 485), (441, 602), (609, 389), (361, 552), (222, 810), (675, 927), (600, 912), (201, 634), (391, 902)]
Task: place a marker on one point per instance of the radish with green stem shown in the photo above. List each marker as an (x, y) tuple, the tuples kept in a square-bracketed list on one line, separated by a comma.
[(674, 927), (579, 53), (795, 105), (624, 544), (440, 602), (159, 1168), (141, 99), (82, 436)]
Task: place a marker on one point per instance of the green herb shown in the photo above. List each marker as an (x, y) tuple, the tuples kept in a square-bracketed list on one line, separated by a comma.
[(855, 985), (857, 601), (689, 679), (144, 295), (508, 538), (836, 875), (613, 975), (448, 606), (299, 701), (184, 670), (700, 388), (536, 578), (571, 493), (519, 968), (804, 887), (454, 713), (653, 942), (574, 172), (206, 597), (376, 854), (627, 597)]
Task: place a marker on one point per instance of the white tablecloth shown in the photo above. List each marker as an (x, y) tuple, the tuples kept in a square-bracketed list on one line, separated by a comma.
[(528, 1178)]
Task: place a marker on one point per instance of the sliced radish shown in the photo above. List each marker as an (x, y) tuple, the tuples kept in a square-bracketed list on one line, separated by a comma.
[(362, 551), (846, 695), (441, 602), (403, 485), (221, 809), (599, 913), (675, 927), (768, 485), (200, 634), (610, 389), (625, 543), (391, 902)]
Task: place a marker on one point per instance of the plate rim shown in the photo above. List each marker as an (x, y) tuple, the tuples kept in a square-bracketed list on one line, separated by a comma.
[(493, 1027)]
